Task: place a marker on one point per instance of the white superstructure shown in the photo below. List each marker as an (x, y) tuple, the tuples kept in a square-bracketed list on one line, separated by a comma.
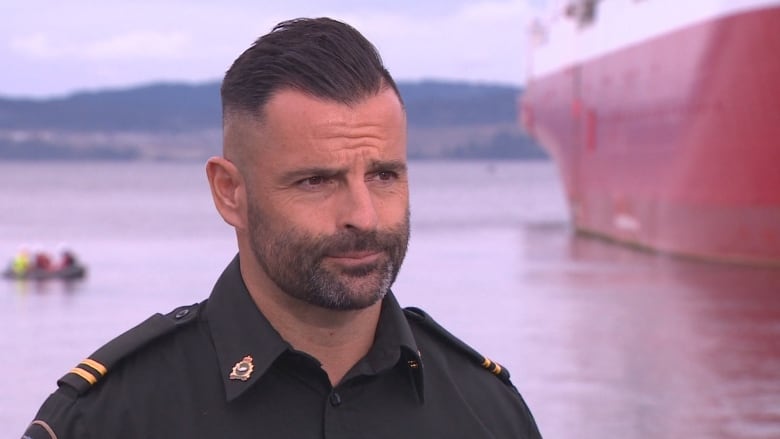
[(575, 31)]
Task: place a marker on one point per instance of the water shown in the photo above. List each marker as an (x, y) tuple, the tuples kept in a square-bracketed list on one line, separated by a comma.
[(603, 341)]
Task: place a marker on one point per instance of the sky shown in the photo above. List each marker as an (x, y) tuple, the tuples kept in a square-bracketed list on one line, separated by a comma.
[(51, 48)]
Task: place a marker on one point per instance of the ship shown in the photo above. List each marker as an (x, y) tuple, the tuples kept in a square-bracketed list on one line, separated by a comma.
[(663, 118)]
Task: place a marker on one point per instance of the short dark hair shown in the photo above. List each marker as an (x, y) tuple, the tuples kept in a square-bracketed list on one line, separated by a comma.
[(323, 57)]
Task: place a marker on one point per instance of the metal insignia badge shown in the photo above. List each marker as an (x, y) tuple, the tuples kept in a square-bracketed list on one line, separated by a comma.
[(243, 369)]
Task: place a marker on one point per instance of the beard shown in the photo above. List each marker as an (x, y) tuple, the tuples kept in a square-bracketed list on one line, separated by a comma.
[(296, 262)]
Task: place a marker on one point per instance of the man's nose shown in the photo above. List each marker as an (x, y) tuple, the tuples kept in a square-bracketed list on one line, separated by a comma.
[(358, 208)]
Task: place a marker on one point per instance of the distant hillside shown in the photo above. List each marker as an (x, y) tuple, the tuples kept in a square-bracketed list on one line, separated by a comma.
[(181, 121), (158, 107)]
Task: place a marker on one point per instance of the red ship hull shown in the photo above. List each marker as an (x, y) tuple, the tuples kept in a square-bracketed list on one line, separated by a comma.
[(673, 144)]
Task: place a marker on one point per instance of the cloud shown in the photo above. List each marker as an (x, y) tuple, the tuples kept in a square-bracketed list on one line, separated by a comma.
[(34, 45), (135, 44), (140, 44), (477, 41), (95, 44)]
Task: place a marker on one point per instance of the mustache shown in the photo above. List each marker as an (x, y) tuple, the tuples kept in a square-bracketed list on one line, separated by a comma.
[(357, 241)]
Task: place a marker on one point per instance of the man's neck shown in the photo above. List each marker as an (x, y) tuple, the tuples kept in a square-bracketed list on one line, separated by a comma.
[(338, 339)]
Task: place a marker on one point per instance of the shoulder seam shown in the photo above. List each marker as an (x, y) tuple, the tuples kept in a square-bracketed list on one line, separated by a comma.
[(427, 322), (95, 367)]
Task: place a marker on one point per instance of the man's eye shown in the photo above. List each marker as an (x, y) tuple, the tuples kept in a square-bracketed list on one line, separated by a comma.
[(386, 175), (314, 181)]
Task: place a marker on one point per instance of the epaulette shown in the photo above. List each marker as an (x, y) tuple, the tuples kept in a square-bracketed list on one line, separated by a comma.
[(428, 323), (92, 369)]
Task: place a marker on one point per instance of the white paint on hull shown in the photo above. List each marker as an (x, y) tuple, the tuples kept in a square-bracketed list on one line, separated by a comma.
[(558, 41)]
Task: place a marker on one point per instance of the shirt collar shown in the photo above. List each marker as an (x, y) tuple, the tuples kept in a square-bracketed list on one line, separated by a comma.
[(239, 330), (394, 343)]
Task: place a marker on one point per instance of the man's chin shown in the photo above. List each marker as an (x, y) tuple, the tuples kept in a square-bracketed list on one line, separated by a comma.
[(360, 292), (359, 301)]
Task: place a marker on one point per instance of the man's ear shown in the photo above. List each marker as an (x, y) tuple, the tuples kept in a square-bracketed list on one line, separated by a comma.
[(228, 190)]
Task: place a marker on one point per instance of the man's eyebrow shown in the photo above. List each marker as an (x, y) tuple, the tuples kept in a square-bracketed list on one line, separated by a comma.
[(297, 174), (398, 166)]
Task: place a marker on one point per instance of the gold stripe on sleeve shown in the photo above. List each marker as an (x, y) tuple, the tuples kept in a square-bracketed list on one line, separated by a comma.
[(84, 374), (95, 365)]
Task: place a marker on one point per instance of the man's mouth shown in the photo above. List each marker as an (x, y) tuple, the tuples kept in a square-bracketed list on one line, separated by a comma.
[(355, 258)]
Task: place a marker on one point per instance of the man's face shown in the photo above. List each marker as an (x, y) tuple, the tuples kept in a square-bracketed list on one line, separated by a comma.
[(327, 197)]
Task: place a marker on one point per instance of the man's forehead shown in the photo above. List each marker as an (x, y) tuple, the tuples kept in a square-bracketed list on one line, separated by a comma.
[(297, 101), (386, 95), (293, 119)]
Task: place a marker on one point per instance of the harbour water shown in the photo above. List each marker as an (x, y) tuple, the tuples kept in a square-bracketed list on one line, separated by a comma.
[(602, 341)]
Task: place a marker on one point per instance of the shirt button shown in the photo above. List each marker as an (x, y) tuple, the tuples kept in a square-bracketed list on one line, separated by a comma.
[(335, 399), (181, 314)]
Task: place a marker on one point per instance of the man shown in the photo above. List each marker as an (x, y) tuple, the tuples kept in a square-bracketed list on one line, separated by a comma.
[(301, 336)]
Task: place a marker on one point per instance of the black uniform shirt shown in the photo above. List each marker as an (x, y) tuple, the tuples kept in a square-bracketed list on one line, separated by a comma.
[(170, 377)]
